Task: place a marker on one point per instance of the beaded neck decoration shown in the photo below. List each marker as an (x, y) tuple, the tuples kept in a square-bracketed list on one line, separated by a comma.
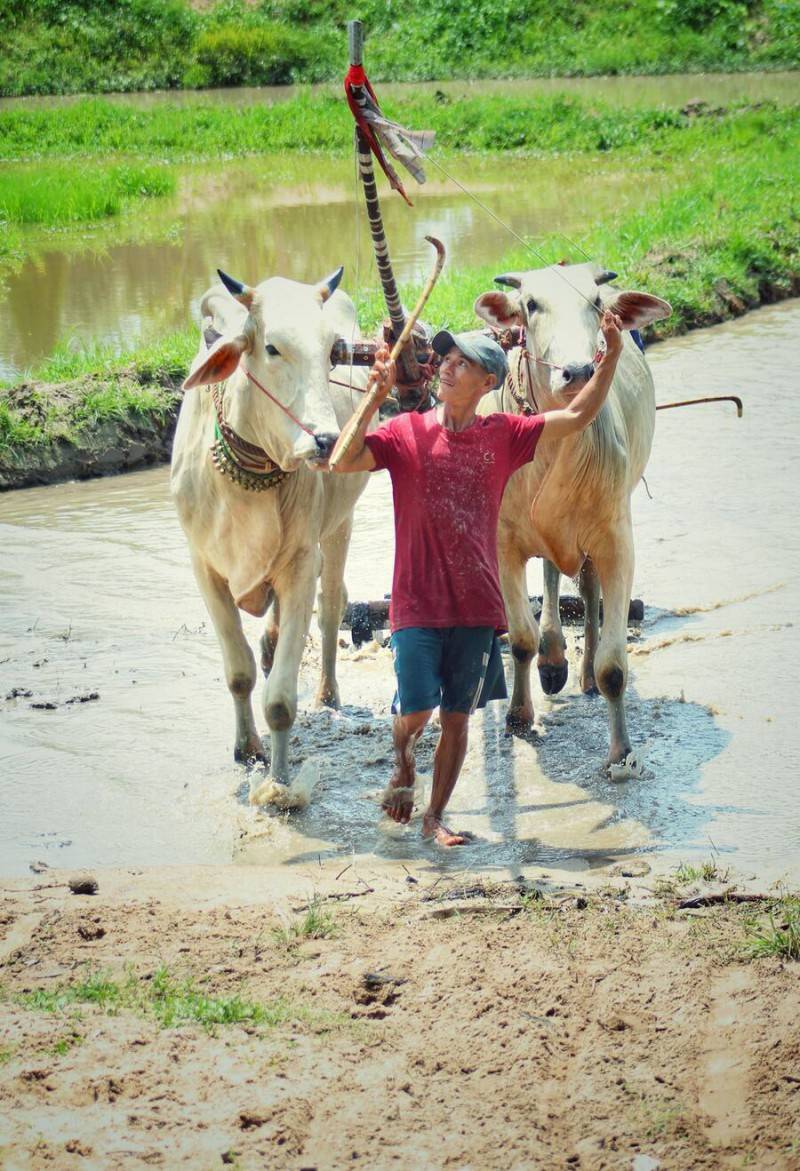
[(244, 463)]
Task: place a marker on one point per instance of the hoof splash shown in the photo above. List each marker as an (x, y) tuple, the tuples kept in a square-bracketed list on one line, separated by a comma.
[(286, 797)]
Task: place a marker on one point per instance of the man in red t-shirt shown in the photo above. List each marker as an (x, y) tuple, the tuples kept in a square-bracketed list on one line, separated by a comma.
[(449, 469)]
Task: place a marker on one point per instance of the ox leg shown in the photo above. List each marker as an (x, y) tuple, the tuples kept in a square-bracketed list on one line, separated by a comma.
[(330, 608), (614, 565), (590, 592), (240, 665), (269, 639), (523, 634), (552, 661), (296, 594)]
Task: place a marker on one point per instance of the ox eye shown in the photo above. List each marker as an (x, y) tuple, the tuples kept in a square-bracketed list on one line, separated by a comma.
[(598, 304), (530, 305), (273, 353)]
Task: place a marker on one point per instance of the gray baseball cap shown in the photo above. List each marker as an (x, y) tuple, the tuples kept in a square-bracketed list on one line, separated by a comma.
[(478, 348)]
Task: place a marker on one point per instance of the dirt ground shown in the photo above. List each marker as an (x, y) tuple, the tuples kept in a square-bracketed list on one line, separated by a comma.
[(403, 1021)]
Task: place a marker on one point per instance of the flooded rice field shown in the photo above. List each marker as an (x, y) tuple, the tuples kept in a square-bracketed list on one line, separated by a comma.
[(659, 90), (126, 282), (301, 217), (116, 730)]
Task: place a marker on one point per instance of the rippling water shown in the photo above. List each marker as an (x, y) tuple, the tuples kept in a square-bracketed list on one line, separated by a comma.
[(97, 596)]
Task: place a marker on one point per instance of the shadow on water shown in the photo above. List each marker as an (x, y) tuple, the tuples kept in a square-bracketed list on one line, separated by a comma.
[(542, 801)]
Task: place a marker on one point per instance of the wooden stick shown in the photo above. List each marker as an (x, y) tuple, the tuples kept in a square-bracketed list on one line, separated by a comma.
[(367, 405), (715, 398)]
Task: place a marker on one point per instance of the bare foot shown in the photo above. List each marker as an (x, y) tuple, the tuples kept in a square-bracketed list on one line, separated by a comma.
[(433, 827), (398, 799)]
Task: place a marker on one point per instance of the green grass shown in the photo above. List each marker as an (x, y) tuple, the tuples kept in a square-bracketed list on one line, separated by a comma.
[(705, 872), (58, 193), (317, 923), (76, 391), (780, 936), (91, 46), (724, 236), (169, 1000), (95, 127)]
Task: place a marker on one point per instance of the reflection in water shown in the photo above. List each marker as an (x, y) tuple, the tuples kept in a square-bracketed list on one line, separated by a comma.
[(144, 275), (297, 218), (97, 595)]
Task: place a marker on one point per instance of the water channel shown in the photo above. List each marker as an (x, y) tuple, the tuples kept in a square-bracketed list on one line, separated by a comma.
[(97, 597), (301, 217)]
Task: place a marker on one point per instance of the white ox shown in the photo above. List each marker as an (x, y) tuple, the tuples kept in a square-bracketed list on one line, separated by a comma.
[(571, 504), (257, 549)]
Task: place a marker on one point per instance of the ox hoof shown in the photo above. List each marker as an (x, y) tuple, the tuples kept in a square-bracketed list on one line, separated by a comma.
[(629, 768), (328, 697), (519, 721), (553, 676), (250, 755), (590, 689)]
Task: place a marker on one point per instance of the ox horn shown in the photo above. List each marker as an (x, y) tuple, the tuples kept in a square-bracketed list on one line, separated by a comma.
[(513, 282), (603, 275), (241, 292), (330, 284)]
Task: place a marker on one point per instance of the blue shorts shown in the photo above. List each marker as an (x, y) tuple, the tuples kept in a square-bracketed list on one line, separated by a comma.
[(456, 668)]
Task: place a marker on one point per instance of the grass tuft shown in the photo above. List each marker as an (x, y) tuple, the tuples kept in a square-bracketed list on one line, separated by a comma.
[(169, 1000), (317, 923), (55, 194), (780, 937)]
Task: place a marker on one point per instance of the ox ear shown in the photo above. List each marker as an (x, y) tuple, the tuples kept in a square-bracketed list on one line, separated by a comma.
[(638, 309), (327, 287), (499, 309), (220, 363), (242, 293)]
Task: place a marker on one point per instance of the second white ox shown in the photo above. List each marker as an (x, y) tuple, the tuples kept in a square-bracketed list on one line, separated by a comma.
[(261, 540), (571, 505)]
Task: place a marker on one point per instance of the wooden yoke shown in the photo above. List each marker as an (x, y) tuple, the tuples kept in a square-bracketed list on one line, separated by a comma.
[(367, 405)]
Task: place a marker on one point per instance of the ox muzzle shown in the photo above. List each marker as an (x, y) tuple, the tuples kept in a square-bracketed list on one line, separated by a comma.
[(576, 375)]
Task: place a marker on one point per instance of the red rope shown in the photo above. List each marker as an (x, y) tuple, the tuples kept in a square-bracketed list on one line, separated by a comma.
[(278, 403)]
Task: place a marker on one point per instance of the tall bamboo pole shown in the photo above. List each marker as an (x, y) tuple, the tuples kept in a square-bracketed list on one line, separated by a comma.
[(408, 366)]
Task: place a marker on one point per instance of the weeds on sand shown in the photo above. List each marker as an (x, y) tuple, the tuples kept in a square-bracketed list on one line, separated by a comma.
[(170, 1000), (705, 872), (317, 923), (780, 937)]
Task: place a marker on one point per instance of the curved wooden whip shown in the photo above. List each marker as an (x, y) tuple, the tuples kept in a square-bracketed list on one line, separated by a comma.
[(714, 398), (367, 405)]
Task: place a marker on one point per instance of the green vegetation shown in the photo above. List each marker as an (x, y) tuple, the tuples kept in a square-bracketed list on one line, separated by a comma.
[(98, 128), (717, 232), (77, 391), (169, 1000), (706, 871), (780, 937), (60, 193), (317, 923), (73, 46), (724, 238)]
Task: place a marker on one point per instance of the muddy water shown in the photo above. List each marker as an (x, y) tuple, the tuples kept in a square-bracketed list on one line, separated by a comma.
[(124, 282), (669, 90), (299, 217), (97, 597)]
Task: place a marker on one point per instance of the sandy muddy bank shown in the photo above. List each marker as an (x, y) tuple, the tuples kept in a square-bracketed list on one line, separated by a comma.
[(385, 1018)]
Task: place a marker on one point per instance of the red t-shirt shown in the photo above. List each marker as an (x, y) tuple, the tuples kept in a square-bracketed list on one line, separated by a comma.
[(448, 486)]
